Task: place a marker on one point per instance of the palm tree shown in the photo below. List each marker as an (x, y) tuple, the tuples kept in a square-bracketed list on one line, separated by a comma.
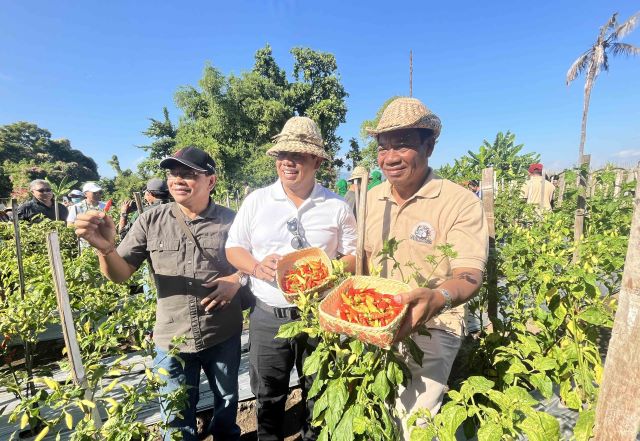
[(596, 58)]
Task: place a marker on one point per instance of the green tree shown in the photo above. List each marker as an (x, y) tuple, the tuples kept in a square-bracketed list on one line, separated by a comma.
[(164, 135), (27, 152), (503, 155), (370, 150), (123, 184), (234, 118), (354, 154), (596, 58)]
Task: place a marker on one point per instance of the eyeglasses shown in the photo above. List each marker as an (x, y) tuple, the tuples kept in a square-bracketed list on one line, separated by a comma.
[(42, 190), (191, 175), (293, 227)]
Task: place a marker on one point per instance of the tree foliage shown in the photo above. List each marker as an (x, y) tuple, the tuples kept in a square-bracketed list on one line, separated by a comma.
[(596, 58), (503, 155), (235, 117), (27, 152)]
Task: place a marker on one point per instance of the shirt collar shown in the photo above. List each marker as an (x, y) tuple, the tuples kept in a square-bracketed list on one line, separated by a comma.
[(430, 189), (210, 212), (317, 194)]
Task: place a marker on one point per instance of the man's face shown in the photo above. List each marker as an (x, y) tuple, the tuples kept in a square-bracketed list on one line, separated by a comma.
[(42, 192), (187, 185), (297, 171), (403, 157)]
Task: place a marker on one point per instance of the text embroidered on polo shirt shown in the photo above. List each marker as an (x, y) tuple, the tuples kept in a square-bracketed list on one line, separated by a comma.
[(423, 233)]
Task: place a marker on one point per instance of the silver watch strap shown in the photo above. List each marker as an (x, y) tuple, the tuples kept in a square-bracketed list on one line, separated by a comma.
[(448, 301)]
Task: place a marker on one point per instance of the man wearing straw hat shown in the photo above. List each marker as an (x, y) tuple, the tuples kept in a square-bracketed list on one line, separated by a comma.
[(350, 198), (293, 213), (423, 211)]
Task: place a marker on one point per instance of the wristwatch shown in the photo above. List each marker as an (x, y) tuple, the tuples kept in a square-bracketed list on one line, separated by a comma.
[(448, 301), (243, 278)]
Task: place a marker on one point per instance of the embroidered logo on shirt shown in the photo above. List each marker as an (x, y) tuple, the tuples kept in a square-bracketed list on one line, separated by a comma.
[(424, 233)]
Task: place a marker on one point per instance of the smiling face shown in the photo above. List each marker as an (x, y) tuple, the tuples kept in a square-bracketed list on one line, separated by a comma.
[(404, 157), (297, 171), (188, 186)]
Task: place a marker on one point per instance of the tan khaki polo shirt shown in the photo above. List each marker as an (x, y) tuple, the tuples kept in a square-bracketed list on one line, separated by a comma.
[(532, 191), (440, 212), (180, 269)]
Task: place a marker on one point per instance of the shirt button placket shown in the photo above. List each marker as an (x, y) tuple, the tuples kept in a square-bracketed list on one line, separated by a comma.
[(193, 300)]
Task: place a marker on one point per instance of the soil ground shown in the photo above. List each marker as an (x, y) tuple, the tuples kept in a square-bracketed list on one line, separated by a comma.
[(247, 418)]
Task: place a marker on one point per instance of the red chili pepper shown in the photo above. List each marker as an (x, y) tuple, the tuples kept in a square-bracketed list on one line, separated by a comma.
[(108, 205), (368, 307), (305, 276)]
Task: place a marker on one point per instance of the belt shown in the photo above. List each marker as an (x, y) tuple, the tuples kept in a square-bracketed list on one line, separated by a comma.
[(291, 312)]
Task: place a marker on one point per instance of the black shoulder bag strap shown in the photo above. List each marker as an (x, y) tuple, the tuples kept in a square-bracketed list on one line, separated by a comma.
[(180, 219)]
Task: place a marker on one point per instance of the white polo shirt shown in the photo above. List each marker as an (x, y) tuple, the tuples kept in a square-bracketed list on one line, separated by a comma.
[(324, 221)]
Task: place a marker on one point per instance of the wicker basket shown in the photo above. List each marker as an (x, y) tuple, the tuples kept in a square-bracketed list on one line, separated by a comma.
[(298, 257), (380, 336)]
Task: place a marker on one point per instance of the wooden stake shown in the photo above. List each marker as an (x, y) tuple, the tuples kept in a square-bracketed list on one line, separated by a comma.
[(618, 408), (543, 197), (66, 320), (492, 279), (361, 216), (579, 218), (28, 359), (561, 187), (138, 198), (55, 207)]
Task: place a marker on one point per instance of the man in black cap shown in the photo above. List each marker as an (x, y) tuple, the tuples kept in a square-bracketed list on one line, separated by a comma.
[(42, 203), (156, 193), (196, 287)]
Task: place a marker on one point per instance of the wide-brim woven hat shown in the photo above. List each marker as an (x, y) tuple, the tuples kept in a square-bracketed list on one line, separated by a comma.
[(407, 113), (299, 135)]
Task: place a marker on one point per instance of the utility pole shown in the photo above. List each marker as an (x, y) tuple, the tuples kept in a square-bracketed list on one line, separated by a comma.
[(410, 73)]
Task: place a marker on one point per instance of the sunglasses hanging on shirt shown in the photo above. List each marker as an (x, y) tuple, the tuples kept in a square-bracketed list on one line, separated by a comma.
[(297, 242)]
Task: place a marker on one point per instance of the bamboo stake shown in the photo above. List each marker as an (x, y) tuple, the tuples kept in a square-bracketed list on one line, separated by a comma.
[(55, 207), (618, 183), (561, 187), (492, 280), (138, 198), (28, 359), (66, 319), (580, 210), (542, 195), (361, 215), (618, 408)]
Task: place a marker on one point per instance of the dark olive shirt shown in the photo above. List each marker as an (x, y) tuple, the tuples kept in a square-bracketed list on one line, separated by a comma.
[(179, 271), (32, 208)]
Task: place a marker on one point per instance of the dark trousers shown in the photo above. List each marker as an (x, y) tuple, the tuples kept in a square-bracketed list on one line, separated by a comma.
[(270, 362)]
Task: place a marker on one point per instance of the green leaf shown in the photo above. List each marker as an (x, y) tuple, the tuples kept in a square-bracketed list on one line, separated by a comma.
[(360, 424), (312, 363), (544, 363), (290, 330), (455, 396), (394, 373), (344, 430), (480, 384), (490, 431), (543, 383), (453, 418), (595, 316), (337, 397), (583, 429), (417, 354), (422, 434), (520, 395), (320, 405), (380, 386), (541, 426)]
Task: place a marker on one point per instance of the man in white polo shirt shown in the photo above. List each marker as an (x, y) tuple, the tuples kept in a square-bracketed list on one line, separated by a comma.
[(293, 213)]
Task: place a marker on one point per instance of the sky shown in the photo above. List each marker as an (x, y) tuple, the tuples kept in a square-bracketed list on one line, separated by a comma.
[(95, 72)]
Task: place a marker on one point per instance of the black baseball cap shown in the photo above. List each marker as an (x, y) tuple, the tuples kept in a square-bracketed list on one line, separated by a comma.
[(157, 184), (192, 157)]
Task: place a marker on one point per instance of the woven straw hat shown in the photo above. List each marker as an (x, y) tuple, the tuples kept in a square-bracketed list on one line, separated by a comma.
[(358, 173), (407, 113), (300, 135)]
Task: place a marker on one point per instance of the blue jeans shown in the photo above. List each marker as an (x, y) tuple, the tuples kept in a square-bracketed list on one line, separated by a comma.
[(220, 364)]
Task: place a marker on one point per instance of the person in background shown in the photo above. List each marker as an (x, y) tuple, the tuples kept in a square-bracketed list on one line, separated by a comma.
[(293, 213), (74, 197), (422, 211), (156, 193), (474, 187), (375, 179), (350, 197), (42, 203), (341, 187), (92, 193), (5, 213), (197, 289), (532, 190)]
